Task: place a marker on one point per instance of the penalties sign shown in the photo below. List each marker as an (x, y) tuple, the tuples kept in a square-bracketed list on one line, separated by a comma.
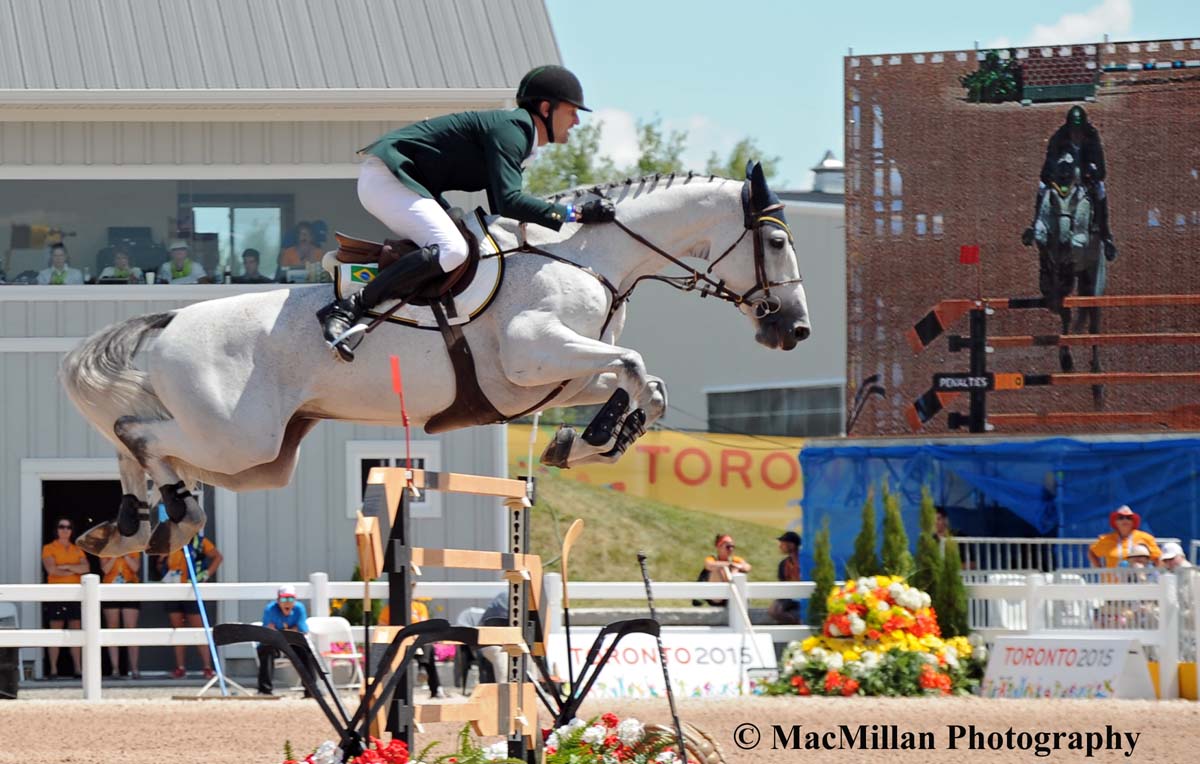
[(1067, 667)]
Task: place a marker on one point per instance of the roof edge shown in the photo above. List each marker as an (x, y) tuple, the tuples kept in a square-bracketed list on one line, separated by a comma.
[(255, 97)]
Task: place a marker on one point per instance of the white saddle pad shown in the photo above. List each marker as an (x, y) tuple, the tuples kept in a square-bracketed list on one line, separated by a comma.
[(348, 279)]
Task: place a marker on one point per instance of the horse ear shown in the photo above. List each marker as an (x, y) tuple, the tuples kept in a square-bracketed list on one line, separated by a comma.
[(750, 165), (759, 193)]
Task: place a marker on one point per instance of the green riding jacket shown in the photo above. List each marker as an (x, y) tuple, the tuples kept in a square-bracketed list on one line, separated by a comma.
[(469, 151)]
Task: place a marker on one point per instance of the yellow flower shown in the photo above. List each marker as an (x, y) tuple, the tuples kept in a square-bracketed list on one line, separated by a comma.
[(851, 655), (810, 643)]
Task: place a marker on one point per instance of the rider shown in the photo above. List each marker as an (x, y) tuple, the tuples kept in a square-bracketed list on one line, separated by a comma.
[(405, 173), (1078, 137)]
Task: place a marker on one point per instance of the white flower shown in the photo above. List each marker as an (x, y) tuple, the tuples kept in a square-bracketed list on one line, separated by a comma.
[(980, 654), (630, 731), (667, 757), (327, 753), (834, 631), (857, 625), (835, 661), (882, 606), (595, 735), (974, 639), (896, 590), (865, 584), (926, 600), (870, 660), (817, 654), (498, 751), (551, 740), (929, 658), (951, 660)]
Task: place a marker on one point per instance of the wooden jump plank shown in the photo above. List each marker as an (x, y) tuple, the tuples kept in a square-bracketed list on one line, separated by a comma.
[(945, 313), (450, 482), (1118, 377), (1180, 418), (493, 709), (500, 636), (1057, 340)]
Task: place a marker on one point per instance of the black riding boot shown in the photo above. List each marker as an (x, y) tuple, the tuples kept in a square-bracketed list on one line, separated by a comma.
[(401, 280)]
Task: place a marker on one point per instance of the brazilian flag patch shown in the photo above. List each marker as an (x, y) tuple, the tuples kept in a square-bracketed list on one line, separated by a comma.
[(363, 274)]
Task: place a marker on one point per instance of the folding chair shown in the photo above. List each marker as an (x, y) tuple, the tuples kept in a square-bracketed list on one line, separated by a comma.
[(324, 631)]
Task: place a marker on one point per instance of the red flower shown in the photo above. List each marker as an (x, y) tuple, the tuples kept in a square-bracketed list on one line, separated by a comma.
[(850, 687), (833, 682), (801, 685), (610, 720), (874, 634), (611, 741)]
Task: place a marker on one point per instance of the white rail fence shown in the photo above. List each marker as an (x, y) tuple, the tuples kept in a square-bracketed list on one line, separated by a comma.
[(1017, 554), (1032, 603)]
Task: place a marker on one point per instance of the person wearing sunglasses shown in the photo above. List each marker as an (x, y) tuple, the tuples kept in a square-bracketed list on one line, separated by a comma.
[(284, 614), (65, 563), (722, 565)]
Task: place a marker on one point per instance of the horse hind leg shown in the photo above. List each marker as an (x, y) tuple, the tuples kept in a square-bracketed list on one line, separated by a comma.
[(185, 517), (130, 532)]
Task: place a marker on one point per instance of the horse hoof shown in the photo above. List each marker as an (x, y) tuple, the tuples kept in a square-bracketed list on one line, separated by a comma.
[(607, 419), (559, 449), (170, 535), (106, 540)]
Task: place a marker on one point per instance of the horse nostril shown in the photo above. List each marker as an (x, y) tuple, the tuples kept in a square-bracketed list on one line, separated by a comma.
[(801, 333)]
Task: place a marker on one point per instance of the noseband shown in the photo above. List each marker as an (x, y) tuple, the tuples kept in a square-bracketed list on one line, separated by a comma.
[(755, 220)]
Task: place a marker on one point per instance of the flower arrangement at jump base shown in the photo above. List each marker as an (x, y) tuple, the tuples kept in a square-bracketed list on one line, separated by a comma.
[(880, 637), (605, 739)]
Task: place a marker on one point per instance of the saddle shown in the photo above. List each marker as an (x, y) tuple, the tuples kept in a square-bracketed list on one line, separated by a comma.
[(355, 251)]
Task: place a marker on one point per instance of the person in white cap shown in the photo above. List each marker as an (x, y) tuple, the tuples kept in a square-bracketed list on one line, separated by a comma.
[(284, 614), (1173, 557), (181, 269)]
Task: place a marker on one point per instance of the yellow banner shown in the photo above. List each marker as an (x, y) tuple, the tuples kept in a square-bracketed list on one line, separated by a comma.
[(756, 479)]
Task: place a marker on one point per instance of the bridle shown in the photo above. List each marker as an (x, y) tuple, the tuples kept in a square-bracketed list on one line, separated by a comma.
[(696, 280)]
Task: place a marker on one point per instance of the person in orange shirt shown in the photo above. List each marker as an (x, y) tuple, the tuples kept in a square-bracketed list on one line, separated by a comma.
[(304, 252), (206, 559), (1111, 548), (65, 563), (723, 565), (122, 570)]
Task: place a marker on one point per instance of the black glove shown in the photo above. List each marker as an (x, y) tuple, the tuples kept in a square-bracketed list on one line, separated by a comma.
[(597, 211), (1027, 236)]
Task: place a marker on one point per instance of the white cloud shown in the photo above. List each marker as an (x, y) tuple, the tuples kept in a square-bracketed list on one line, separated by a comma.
[(618, 136), (1111, 17)]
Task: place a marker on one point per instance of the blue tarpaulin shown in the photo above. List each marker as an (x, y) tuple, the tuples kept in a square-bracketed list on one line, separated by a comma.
[(1057, 487)]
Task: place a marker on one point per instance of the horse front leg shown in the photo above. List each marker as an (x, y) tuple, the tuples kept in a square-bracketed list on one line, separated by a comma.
[(536, 350), (600, 390)]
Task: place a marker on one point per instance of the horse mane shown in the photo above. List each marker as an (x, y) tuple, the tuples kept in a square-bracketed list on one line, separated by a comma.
[(633, 185)]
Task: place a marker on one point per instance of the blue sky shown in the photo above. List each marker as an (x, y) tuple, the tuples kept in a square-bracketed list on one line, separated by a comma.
[(772, 69)]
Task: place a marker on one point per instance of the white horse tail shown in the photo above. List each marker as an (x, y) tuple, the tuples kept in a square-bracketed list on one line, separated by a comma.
[(99, 374)]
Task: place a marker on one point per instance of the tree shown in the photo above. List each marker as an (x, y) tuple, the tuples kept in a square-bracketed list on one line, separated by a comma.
[(823, 574), (929, 552), (734, 166), (560, 166), (865, 561), (952, 607), (658, 153), (897, 560)]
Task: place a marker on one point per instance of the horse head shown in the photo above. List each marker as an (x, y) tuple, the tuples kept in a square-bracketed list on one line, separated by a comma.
[(762, 269)]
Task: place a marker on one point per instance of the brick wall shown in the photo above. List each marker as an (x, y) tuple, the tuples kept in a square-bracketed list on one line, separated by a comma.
[(927, 172)]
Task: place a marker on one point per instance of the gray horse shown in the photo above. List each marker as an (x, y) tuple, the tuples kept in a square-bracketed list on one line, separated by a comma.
[(223, 391), (1070, 259)]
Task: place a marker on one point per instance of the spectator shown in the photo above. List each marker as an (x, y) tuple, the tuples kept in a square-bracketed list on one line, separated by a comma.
[(304, 252), (1111, 548), (181, 269), (121, 269), (59, 272), (787, 611), (426, 656), (284, 614), (492, 667), (250, 273), (122, 570), (65, 563), (205, 559), (1172, 558), (722, 566)]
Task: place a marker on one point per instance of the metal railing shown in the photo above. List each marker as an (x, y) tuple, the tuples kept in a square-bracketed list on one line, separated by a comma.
[(1028, 554)]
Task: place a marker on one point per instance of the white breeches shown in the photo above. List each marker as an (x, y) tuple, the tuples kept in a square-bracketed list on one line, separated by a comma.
[(408, 214)]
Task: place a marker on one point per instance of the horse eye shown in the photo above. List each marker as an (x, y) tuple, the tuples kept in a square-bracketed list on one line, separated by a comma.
[(777, 240)]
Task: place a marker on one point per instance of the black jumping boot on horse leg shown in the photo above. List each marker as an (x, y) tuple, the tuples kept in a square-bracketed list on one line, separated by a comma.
[(414, 271)]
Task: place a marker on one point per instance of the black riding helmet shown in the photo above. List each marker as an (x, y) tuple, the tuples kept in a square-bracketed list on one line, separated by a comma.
[(1076, 116), (549, 83)]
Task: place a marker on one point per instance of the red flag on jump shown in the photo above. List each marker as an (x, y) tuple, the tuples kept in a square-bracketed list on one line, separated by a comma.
[(968, 254)]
